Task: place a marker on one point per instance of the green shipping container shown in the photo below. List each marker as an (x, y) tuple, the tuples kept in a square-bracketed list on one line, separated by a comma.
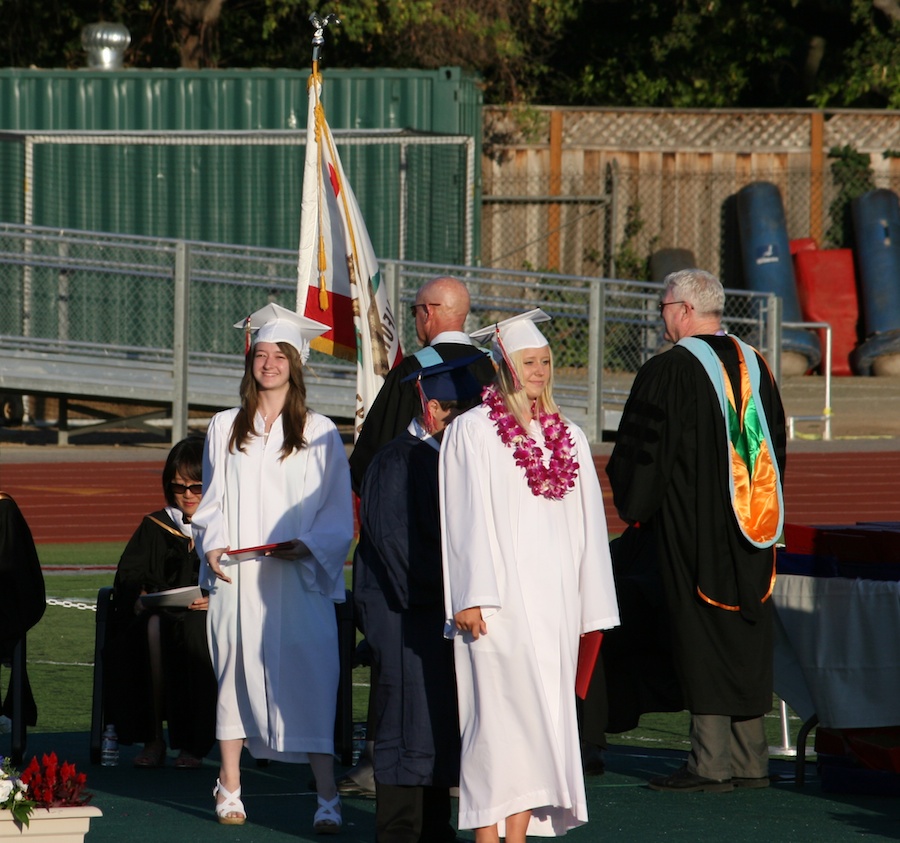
[(419, 206)]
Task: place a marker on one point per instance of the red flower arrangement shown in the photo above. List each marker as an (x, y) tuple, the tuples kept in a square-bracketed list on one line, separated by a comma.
[(51, 785)]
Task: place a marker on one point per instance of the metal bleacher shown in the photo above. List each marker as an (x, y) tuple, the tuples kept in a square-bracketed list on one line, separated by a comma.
[(139, 327), (138, 376)]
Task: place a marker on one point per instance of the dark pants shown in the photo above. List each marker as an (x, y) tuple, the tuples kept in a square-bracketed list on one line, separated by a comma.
[(723, 747), (410, 814)]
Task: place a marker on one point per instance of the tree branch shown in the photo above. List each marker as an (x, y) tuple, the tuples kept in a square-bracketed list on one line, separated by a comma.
[(890, 7)]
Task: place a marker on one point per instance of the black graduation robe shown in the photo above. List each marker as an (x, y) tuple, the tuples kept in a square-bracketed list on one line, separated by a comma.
[(637, 656), (159, 557), (22, 595), (398, 592), (669, 470), (397, 404)]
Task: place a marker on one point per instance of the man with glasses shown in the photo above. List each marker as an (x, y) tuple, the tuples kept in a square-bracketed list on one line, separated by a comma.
[(698, 461), (440, 310)]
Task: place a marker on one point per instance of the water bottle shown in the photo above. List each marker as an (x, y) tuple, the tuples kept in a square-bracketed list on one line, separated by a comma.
[(109, 747), (359, 741)]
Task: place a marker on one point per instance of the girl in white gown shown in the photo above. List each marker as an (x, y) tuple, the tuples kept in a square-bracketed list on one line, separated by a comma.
[(527, 571), (275, 472)]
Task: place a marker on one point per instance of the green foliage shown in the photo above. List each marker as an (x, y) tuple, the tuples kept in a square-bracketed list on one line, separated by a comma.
[(852, 172), (14, 793), (630, 262), (690, 53), (42, 34), (869, 73), (509, 42), (678, 53), (519, 123)]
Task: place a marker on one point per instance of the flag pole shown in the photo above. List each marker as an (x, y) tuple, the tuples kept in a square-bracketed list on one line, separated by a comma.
[(318, 40), (338, 276)]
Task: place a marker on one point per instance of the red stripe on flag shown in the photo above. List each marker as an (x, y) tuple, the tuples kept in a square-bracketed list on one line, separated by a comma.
[(341, 336), (335, 184)]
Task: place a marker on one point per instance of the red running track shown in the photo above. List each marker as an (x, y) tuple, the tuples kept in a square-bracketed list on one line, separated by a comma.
[(104, 501)]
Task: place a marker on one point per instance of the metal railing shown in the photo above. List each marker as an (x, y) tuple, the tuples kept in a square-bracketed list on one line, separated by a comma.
[(148, 320)]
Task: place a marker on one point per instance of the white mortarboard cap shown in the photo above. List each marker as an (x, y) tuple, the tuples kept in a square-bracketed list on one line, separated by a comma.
[(274, 323), (516, 333)]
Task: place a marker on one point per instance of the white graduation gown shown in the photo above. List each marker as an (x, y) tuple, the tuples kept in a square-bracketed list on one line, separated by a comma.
[(272, 630), (541, 572)]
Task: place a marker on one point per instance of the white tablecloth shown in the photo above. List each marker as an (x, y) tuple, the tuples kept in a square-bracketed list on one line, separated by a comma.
[(837, 649)]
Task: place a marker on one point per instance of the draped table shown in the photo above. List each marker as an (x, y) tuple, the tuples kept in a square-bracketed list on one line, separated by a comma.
[(837, 652)]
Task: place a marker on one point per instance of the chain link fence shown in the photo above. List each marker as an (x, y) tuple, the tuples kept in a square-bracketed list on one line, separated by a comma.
[(612, 223), (241, 187), (100, 315)]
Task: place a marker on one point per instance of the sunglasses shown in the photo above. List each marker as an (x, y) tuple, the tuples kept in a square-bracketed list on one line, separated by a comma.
[(181, 489)]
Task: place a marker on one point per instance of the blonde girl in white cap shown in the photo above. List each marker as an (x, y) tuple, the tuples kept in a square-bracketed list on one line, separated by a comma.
[(527, 571)]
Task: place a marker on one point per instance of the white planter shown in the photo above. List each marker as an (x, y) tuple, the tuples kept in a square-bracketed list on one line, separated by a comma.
[(50, 825)]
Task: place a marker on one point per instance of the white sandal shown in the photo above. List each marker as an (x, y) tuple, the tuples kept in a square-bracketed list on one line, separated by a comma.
[(231, 805), (328, 816)]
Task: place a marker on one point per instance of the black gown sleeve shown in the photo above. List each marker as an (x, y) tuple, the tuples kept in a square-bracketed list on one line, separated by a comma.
[(641, 464), (22, 596), (396, 404)]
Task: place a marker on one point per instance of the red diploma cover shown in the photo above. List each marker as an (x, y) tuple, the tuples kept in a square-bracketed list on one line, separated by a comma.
[(242, 553), (588, 650)]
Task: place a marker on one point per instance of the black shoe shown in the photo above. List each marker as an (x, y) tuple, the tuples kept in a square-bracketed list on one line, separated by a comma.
[(684, 781), (754, 783)]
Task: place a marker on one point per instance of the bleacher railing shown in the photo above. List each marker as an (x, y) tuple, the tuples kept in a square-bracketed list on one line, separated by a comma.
[(154, 301)]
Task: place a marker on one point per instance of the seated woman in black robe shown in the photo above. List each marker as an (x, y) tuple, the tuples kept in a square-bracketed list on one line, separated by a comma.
[(158, 666)]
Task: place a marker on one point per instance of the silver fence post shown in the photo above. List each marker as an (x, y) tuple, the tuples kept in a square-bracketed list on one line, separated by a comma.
[(28, 246), (403, 201), (180, 342), (469, 213), (826, 368), (596, 328), (773, 335)]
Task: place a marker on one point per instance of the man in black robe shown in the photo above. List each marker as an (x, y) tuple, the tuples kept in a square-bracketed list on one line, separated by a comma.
[(699, 459), (398, 589)]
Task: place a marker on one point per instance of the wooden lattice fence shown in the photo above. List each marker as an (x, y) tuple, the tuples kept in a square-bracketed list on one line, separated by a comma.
[(597, 191)]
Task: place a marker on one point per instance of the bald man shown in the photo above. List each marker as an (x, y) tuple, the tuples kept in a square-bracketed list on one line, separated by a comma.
[(440, 311)]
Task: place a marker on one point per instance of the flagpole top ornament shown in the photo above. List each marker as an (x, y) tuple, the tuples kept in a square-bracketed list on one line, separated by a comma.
[(320, 24)]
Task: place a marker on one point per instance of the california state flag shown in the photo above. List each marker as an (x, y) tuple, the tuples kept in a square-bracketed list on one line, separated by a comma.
[(338, 280)]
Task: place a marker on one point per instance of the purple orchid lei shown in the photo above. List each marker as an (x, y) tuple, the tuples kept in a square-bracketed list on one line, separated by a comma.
[(554, 480)]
